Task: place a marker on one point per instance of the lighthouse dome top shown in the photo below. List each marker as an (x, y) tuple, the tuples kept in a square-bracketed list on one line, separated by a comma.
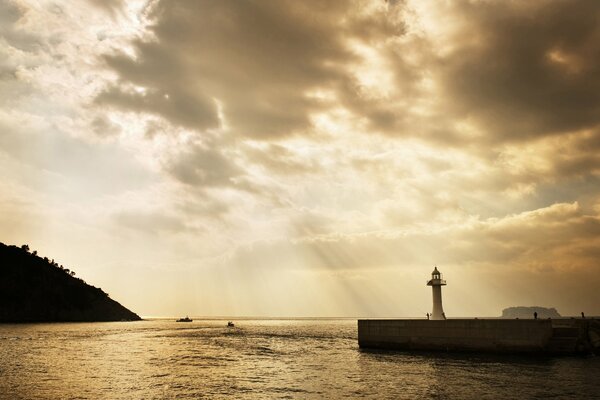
[(436, 278)]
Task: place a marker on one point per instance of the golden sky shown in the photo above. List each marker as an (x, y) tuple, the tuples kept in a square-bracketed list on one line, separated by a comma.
[(307, 158)]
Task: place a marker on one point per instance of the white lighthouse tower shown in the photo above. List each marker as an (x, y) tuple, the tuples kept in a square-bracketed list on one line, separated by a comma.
[(436, 282)]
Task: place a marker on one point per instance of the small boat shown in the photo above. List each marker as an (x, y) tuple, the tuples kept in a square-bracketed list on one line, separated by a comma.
[(186, 319), (230, 324)]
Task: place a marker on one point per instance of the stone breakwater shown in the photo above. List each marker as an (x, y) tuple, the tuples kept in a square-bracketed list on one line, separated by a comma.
[(549, 336)]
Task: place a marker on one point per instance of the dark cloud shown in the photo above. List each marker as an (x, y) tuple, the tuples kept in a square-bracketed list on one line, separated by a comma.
[(203, 166), (10, 14), (523, 71), (181, 107), (113, 7), (258, 59), (15, 45), (561, 236), (562, 159), (578, 156), (104, 127), (515, 71)]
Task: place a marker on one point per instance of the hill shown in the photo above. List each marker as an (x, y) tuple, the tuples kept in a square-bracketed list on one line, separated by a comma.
[(527, 312), (35, 289)]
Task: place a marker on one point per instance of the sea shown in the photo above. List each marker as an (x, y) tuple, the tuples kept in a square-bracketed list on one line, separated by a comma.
[(263, 359)]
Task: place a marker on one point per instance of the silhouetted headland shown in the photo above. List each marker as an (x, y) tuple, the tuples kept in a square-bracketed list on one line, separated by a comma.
[(35, 289)]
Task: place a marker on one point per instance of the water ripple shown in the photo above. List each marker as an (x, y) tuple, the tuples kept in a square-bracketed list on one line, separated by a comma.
[(262, 359)]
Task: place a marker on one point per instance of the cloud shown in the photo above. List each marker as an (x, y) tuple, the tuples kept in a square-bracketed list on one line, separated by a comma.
[(113, 7), (11, 14), (521, 71), (257, 60), (278, 159), (104, 127), (560, 236), (462, 73), (201, 166), (179, 106), (151, 222)]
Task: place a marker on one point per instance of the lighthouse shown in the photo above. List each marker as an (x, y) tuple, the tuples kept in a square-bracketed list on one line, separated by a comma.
[(436, 282)]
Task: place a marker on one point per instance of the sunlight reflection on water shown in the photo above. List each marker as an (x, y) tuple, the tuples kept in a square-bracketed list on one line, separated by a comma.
[(261, 359)]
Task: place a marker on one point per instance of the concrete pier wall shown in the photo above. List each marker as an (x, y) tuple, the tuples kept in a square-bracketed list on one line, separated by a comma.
[(482, 335)]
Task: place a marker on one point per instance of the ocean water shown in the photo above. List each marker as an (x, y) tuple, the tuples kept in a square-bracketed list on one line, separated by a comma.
[(262, 359)]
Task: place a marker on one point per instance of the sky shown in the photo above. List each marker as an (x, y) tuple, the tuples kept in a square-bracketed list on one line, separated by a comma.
[(307, 158)]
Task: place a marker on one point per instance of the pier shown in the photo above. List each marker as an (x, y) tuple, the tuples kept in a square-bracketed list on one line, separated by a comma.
[(548, 336), (560, 336)]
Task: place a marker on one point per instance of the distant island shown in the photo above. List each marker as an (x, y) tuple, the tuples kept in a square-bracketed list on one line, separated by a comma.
[(527, 312), (36, 289)]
